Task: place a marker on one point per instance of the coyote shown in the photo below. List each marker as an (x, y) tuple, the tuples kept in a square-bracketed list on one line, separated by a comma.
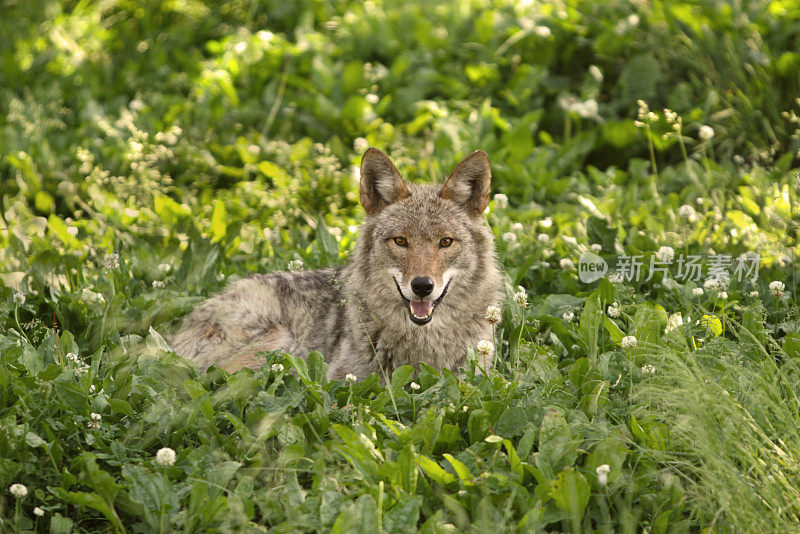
[(416, 288)]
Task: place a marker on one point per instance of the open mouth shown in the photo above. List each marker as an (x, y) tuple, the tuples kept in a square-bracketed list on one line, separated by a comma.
[(421, 311)]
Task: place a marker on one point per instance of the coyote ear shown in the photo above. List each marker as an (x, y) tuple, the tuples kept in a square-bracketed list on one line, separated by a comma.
[(468, 185), (381, 183)]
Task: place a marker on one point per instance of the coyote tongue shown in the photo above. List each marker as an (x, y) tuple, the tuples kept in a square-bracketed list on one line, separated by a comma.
[(421, 308)]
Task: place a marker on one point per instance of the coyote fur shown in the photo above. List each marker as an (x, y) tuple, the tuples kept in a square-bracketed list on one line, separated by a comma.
[(416, 288)]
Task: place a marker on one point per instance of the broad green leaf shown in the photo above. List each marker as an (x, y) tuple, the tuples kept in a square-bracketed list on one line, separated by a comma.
[(591, 318), (613, 330), (434, 471), (571, 493), (557, 447), (648, 322), (31, 359), (89, 500), (218, 222), (59, 229), (361, 516), (400, 378), (154, 492), (34, 440), (403, 516), (461, 470), (513, 458)]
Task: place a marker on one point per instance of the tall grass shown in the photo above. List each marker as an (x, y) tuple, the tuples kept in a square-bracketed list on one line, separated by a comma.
[(733, 416)]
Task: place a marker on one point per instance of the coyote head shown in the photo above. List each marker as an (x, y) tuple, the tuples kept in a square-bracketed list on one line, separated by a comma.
[(425, 247)]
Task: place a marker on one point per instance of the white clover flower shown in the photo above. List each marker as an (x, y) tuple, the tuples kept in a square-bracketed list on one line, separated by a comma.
[(295, 265), (95, 422), (509, 237), (602, 474), (669, 283), (723, 295), (72, 230), (19, 298), (568, 316), (711, 284), (485, 347), (265, 36), (157, 284), (596, 247), (90, 296), (165, 457), (648, 369), (111, 261), (543, 31), (520, 298), (546, 223), (687, 212), (414, 386), (754, 294), (629, 342), (276, 367), (372, 98), (665, 254), (465, 408), (675, 320), (706, 132), (697, 291), (350, 377), (493, 314), (567, 264), (500, 201), (80, 367), (360, 144), (164, 267), (588, 109), (633, 19), (614, 310), (776, 288), (543, 238), (517, 227), (38, 512), (18, 490)]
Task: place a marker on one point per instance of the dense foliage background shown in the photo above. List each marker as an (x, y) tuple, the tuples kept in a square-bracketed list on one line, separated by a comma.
[(152, 151)]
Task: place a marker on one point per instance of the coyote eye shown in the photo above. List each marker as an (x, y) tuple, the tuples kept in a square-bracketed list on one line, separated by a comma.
[(401, 241), (445, 242)]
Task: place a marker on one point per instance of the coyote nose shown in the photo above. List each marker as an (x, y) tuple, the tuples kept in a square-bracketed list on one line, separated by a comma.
[(422, 286)]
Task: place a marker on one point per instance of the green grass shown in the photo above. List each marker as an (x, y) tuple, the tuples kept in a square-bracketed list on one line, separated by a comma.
[(152, 152)]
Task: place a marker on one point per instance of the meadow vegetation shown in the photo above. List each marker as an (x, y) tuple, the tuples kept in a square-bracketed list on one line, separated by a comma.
[(151, 152)]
